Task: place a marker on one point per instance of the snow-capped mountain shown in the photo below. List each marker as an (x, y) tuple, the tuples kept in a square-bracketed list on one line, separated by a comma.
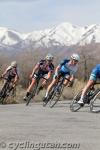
[(10, 37), (92, 34), (64, 34)]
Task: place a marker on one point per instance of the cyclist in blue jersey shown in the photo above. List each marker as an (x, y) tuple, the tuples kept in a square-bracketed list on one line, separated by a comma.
[(66, 68), (93, 77)]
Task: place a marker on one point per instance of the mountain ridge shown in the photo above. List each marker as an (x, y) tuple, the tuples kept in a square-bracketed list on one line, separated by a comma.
[(65, 34)]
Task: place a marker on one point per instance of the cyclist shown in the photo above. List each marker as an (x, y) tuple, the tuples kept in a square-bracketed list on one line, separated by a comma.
[(44, 68), (93, 77), (66, 68), (11, 75)]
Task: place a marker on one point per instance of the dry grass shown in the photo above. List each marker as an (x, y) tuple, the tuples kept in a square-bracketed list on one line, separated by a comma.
[(68, 93)]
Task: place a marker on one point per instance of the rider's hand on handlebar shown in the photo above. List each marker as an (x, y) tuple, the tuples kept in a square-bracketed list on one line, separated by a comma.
[(56, 75)]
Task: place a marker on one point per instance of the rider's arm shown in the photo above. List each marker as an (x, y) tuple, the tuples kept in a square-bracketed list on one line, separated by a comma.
[(4, 73), (57, 69), (60, 65), (49, 75), (72, 78), (50, 71), (34, 70), (16, 80)]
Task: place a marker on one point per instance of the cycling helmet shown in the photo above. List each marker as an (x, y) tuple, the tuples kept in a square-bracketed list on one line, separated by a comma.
[(13, 64), (49, 57), (75, 57)]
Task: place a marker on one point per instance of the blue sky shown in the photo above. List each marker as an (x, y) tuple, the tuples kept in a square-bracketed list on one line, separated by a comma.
[(30, 15)]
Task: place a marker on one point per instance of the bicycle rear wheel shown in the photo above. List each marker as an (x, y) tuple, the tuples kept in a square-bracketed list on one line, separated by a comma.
[(95, 103), (74, 106)]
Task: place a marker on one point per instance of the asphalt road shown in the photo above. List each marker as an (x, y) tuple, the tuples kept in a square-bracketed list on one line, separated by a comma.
[(35, 127)]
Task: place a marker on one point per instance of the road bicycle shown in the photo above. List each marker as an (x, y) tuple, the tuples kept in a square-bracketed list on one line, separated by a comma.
[(7, 90), (88, 99), (35, 90), (56, 92)]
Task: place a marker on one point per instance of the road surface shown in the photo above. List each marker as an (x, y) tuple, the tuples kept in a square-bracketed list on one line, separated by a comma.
[(35, 127)]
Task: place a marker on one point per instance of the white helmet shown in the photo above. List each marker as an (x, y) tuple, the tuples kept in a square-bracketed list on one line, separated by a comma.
[(49, 57), (13, 64), (75, 57)]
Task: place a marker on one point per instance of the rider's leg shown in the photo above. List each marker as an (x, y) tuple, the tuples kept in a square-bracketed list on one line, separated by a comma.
[(43, 85), (30, 88), (44, 81), (31, 85), (86, 88), (49, 88), (90, 83)]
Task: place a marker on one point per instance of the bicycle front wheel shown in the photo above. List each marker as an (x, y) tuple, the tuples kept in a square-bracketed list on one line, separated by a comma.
[(95, 103), (31, 95), (1, 100), (55, 96), (74, 106)]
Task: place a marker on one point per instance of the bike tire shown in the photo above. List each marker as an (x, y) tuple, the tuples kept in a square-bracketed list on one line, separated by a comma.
[(45, 103), (47, 99), (1, 100), (95, 103), (74, 106), (31, 95), (54, 98), (4, 92)]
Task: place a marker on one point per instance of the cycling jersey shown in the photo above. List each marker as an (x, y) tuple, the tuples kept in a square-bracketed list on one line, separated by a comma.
[(95, 73), (44, 68), (11, 72), (67, 68)]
